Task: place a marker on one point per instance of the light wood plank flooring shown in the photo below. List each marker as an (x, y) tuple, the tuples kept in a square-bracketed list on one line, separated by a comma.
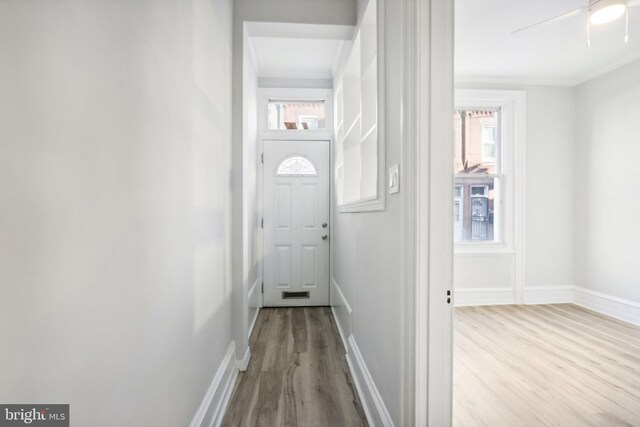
[(297, 375), (544, 365)]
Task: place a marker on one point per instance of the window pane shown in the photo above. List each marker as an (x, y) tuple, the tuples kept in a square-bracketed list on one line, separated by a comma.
[(477, 209), (296, 115), (476, 141), (479, 190), (488, 153)]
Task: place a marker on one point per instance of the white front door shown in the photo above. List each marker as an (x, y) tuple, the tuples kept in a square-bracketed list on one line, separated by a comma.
[(296, 223)]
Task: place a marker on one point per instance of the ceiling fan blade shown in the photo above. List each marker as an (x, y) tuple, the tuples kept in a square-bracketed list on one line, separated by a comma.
[(554, 19), (633, 3)]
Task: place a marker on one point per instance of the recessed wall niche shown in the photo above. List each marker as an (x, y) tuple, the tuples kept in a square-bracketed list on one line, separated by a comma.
[(359, 156)]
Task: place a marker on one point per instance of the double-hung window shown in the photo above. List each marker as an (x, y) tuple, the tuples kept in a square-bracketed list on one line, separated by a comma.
[(484, 166), (478, 172)]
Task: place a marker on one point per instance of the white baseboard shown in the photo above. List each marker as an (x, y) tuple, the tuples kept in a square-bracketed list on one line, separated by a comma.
[(372, 403), (253, 321), (548, 294), (483, 296), (255, 302), (341, 312), (619, 308), (213, 406), (241, 364)]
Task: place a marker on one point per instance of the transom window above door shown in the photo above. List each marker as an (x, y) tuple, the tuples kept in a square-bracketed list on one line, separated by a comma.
[(295, 114), (291, 115)]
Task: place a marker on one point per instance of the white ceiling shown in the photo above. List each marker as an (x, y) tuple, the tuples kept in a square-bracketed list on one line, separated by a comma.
[(303, 51), (295, 57), (556, 53)]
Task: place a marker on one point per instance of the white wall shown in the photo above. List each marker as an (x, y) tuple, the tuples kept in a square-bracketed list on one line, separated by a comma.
[(549, 186), (330, 12), (367, 249), (270, 82), (606, 202), (548, 199), (251, 214), (115, 123), (326, 12)]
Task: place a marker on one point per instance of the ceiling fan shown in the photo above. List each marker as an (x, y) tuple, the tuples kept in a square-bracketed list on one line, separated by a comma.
[(599, 12)]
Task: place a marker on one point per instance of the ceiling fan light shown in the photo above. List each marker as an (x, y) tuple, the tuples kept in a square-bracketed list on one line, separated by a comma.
[(606, 11)]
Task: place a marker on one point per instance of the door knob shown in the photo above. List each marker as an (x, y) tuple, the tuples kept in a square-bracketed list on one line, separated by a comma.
[(324, 225), (325, 237)]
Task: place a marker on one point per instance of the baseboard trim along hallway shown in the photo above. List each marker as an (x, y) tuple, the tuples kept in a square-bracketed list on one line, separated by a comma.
[(374, 407), (372, 402), (242, 364), (214, 404)]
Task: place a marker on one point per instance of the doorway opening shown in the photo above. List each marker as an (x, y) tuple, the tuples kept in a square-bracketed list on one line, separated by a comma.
[(529, 226)]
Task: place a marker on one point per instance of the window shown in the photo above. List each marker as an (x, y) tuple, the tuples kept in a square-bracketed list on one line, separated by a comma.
[(478, 174), (305, 115), (479, 190), (458, 191), (488, 199), (296, 166)]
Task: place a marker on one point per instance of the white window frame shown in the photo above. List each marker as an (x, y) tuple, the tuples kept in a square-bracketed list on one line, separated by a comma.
[(510, 158)]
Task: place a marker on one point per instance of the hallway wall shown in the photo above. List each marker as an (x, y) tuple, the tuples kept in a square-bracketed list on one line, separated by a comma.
[(367, 290), (116, 125)]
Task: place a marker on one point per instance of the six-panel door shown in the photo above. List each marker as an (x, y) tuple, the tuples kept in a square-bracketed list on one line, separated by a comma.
[(296, 223)]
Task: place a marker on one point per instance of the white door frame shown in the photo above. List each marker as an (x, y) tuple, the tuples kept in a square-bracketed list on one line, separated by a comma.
[(428, 212), (318, 137)]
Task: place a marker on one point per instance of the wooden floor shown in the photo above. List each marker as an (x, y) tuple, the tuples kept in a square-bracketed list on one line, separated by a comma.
[(544, 365), (298, 374)]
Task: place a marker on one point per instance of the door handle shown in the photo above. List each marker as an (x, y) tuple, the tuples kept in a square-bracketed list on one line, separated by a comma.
[(324, 225), (325, 237)]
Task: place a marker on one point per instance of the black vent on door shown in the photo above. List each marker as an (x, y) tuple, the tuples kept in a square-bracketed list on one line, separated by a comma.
[(295, 295)]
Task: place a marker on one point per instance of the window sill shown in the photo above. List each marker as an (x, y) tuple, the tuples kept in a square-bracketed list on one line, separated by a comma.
[(492, 248), (374, 204), (501, 253)]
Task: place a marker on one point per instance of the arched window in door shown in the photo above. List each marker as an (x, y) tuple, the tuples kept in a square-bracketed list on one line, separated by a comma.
[(296, 166)]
